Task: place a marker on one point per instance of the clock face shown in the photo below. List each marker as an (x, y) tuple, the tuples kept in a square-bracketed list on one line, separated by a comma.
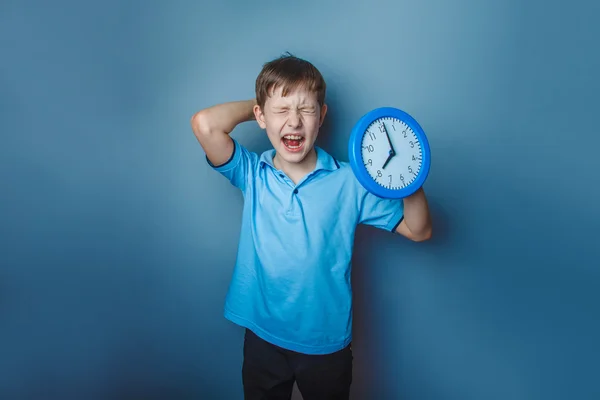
[(391, 153)]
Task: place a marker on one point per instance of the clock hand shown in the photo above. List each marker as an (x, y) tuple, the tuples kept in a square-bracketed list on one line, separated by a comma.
[(392, 151), (391, 154)]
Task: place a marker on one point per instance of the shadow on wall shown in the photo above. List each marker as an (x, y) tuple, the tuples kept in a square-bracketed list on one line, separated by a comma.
[(442, 231), (371, 358)]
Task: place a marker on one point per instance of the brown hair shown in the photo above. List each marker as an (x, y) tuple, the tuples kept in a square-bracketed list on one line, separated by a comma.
[(291, 72)]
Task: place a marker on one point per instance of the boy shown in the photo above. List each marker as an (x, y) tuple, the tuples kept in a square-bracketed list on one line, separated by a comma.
[(291, 284)]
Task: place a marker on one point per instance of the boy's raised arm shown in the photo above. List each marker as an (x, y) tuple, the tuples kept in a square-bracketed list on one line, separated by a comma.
[(213, 125)]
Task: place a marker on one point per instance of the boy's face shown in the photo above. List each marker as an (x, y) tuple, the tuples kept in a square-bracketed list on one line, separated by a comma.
[(292, 122)]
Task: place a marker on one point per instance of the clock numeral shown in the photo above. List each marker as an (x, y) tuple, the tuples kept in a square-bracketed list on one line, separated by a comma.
[(410, 169), (394, 126), (413, 158), (390, 179), (401, 177), (411, 144), (370, 148), (370, 162), (381, 128), (372, 136), (379, 175), (404, 132)]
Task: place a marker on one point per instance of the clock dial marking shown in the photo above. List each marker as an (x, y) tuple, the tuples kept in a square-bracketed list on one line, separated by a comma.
[(391, 152)]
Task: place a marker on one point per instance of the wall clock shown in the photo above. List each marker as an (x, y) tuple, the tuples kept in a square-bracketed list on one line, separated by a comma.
[(389, 153)]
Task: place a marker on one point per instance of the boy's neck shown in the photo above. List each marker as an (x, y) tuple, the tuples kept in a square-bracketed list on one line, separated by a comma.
[(297, 171)]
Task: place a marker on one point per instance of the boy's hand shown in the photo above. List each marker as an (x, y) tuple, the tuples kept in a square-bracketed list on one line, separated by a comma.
[(213, 125)]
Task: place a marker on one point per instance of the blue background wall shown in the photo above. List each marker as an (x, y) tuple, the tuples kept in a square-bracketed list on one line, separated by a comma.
[(117, 240)]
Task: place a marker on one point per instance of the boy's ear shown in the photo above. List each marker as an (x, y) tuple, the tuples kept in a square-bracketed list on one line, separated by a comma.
[(260, 116), (323, 112)]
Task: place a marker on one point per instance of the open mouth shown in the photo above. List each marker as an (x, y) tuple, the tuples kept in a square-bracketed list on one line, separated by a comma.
[(293, 143)]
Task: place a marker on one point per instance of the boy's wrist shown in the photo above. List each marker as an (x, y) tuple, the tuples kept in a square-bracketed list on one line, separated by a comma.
[(251, 103), (418, 193)]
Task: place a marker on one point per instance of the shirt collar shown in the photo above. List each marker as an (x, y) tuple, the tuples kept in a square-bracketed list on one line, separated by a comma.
[(324, 160)]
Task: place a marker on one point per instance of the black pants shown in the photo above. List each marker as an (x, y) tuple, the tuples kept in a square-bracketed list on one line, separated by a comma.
[(269, 372)]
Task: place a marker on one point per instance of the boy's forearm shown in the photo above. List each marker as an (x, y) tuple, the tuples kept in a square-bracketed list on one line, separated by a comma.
[(226, 116), (416, 214)]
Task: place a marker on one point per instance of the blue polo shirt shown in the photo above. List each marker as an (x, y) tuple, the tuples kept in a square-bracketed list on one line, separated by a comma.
[(291, 281)]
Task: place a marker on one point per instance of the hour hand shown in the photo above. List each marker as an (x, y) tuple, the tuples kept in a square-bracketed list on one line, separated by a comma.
[(391, 154)]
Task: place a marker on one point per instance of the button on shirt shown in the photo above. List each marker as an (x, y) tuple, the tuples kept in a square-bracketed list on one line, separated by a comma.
[(291, 282)]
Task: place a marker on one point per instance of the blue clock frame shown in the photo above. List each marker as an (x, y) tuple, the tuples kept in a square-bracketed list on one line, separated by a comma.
[(358, 165)]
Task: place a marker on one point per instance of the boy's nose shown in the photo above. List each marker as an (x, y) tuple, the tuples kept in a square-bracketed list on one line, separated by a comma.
[(294, 119)]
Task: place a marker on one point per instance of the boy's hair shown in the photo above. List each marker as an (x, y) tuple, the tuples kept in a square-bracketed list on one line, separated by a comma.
[(290, 72)]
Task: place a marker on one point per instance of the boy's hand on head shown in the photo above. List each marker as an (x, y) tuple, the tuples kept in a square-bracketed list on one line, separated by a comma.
[(212, 127)]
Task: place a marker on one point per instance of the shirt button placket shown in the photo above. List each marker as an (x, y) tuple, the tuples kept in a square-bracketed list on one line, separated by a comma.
[(290, 209)]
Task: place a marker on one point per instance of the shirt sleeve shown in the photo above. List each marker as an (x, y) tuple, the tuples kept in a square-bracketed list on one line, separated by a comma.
[(240, 167), (381, 213)]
